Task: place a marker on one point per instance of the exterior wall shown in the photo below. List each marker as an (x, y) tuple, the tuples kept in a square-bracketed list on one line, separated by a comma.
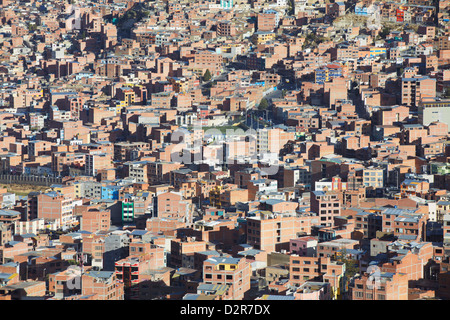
[(181, 250), (93, 221), (236, 274), (106, 289), (327, 205), (267, 233), (396, 288), (305, 246)]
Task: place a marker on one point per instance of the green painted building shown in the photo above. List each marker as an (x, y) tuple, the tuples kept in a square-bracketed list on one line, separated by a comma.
[(127, 211)]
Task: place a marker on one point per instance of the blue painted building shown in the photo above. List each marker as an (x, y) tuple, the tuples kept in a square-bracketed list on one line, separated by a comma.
[(226, 4), (110, 192), (361, 10), (327, 73)]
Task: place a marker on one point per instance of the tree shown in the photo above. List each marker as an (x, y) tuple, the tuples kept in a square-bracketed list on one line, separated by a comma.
[(447, 94), (351, 265), (384, 32), (291, 7), (207, 75), (32, 27), (263, 104)]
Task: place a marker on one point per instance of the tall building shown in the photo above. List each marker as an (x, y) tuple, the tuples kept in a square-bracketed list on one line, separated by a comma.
[(327, 205), (127, 210), (267, 21), (54, 206), (415, 88), (272, 140), (95, 162), (271, 232)]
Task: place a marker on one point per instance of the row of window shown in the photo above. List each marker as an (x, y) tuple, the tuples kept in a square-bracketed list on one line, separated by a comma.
[(219, 276), (304, 270), (369, 296), (308, 262), (329, 211), (324, 205)]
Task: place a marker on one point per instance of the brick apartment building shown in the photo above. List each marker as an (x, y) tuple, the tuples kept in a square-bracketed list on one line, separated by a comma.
[(235, 272), (382, 286), (55, 206), (95, 220), (182, 251), (413, 89), (104, 284), (327, 205), (272, 232)]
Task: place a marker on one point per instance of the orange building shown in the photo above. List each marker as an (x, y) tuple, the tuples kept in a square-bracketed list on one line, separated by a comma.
[(171, 205), (102, 283), (235, 272), (95, 220), (182, 251), (381, 286), (271, 232)]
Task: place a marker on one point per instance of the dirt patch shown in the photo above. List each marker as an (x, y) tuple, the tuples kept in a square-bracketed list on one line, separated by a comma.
[(23, 189)]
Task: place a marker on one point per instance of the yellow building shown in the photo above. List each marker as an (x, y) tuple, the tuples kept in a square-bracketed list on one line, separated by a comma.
[(119, 105), (261, 37), (214, 197), (129, 97), (179, 85), (78, 190)]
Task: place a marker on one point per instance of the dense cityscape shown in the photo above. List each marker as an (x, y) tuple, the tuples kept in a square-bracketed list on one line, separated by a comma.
[(229, 150)]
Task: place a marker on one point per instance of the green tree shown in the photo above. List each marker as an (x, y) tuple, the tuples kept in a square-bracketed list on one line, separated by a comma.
[(32, 27), (291, 7), (384, 32), (263, 104), (207, 75), (351, 265), (447, 93)]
